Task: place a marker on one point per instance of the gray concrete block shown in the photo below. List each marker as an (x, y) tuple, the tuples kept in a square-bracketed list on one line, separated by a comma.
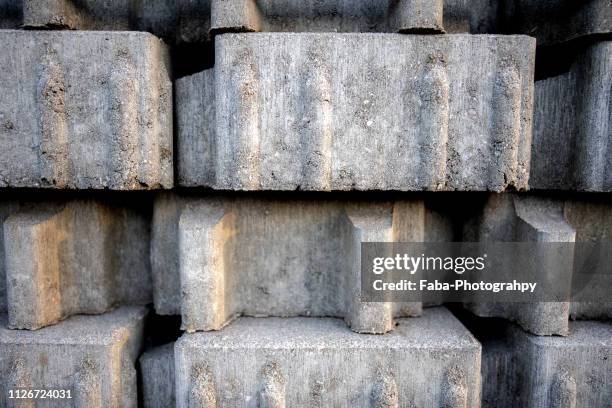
[(157, 369), (85, 110), (327, 15), (572, 140), (515, 218), (275, 362), (338, 112), (78, 257), (91, 356), (217, 257), (520, 369), (6, 209)]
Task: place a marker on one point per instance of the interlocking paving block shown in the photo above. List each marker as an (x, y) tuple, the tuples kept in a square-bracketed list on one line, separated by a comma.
[(215, 258), (520, 369), (6, 209), (572, 140), (327, 15), (93, 357), (85, 110), (11, 14), (157, 368), (275, 362), (77, 257), (515, 218), (283, 111)]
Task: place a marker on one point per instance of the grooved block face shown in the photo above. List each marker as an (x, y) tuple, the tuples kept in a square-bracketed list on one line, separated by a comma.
[(359, 112), (85, 110), (327, 15), (76, 257), (157, 368), (429, 361), (218, 257), (572, 141), (520, 369), (92, 356)]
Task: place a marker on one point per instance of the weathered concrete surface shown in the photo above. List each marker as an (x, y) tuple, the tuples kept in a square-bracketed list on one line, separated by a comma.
[(11, 14), (6, 209), (272, 362), (520, 369), (217, 257), (92, 356), (327, 15), (157, 369), (515, 218), (338, 112), (85, 110), (572, 141), (77, 257)]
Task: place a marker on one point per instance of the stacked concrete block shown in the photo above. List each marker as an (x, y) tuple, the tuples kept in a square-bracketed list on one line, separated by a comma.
[(339, 112), (275, 362), (74, 257), (521, 369), (218, 257), (91, 358), (572, 123), (6, 209), (158, 379), (85, 110)]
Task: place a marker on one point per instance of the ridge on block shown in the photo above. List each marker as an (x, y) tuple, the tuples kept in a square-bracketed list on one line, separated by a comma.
[(321, 112), (85, 110), (66, 258), (90, 358), (218, 257)]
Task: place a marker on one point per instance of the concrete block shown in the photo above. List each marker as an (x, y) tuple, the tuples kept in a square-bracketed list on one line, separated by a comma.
[(6, 209), (515, 218), (572, 147), (157, 369), (520, 369), (78, 257), (11, 14), (93, 357), (327, 15), (216, 257), (275, 362), (338, 112), (85, 110)]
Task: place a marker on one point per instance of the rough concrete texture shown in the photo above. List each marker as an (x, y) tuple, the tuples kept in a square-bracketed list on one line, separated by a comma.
[(77, 257), (327, 15), (514, 218), (6, 209), (523, 370), (157, 368), (572, 141), (430, 361), (86, 110), (338, 112), (217, 257), (92, 356)]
